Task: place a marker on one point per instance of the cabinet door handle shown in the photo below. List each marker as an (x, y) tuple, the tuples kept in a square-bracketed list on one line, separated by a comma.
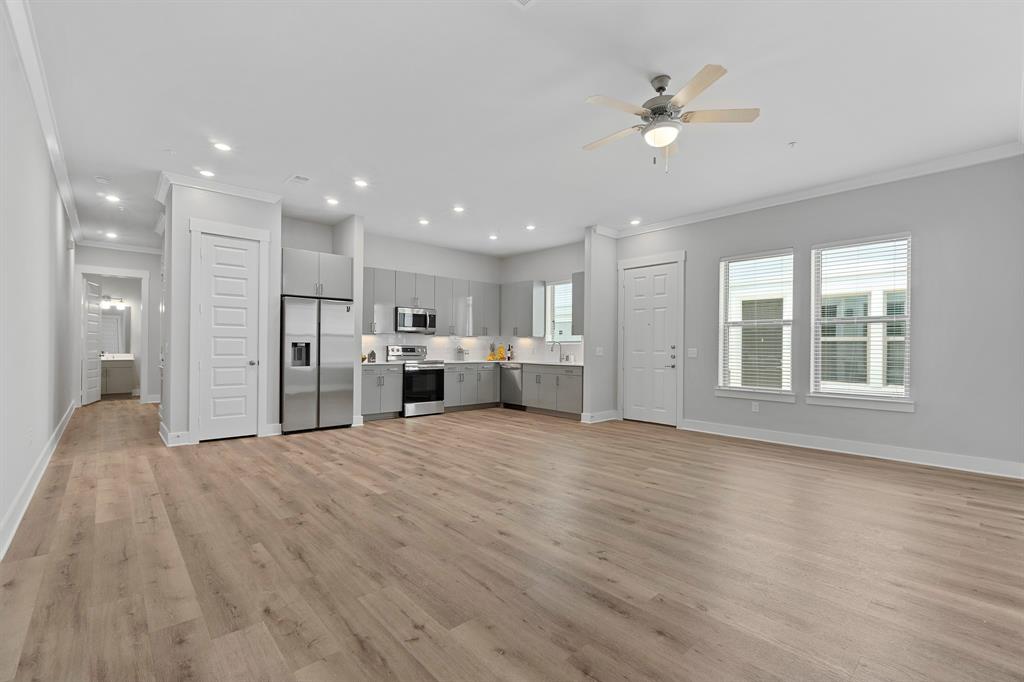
[(556, 379)]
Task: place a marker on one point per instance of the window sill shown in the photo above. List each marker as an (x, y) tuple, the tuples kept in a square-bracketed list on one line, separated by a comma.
[(863, 403), (753, 394)]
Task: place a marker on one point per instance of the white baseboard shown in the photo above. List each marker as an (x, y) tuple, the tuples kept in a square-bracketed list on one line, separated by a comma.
[(12, 517), (357, 420), (175, 438), (135, 392), (935, 458), (152, 398), (605, 416), (271, 430)]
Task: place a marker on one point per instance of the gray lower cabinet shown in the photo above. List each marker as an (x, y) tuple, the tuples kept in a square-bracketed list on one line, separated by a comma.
[(382, 389), (487, 384), (553, 387), (470, 384)]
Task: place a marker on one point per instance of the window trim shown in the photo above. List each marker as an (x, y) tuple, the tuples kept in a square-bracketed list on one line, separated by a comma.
[(903, 403), (761, 393), (549, 323)]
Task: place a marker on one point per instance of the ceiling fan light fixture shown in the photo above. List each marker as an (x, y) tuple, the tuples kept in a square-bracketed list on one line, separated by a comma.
[(661, 133)]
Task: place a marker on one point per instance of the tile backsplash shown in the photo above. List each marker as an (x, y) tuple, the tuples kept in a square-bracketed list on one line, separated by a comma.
[(476, 347)]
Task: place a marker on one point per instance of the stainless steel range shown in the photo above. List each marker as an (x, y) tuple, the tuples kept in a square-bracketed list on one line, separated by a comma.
[(422, 380)]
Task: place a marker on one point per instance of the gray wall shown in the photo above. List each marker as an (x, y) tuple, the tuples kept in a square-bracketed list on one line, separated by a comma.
[(967, 375), (109, 258), (549, 265), (36, 364), (600, 379), (409, 256), (183, 204), (302, 234)]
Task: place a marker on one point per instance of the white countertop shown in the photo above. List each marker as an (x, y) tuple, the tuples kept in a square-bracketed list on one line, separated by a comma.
[(482, 362)]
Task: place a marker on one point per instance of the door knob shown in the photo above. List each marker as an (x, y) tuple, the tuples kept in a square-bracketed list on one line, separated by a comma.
[(670, 366), (252, 362)]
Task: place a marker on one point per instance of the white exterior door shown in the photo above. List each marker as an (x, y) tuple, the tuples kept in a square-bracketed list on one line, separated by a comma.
[(92, 369), (649, 343), (229, 323)]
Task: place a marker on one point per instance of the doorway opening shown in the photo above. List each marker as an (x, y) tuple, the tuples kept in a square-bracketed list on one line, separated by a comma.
[(112, 347)]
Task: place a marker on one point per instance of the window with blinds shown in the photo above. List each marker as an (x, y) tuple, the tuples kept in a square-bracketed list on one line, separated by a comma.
[(559, 313), (756, 319), (861, 326)]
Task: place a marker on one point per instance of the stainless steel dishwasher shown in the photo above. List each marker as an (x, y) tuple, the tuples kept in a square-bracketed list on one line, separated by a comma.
[(512, 384)]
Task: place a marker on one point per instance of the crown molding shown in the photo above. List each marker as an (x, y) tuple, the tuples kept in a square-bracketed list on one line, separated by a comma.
[(604, 231), (939, 165), (151, 250), (167, 179), (32, 65)]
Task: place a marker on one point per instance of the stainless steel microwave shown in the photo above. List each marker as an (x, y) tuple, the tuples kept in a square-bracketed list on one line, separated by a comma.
[(415, 320)]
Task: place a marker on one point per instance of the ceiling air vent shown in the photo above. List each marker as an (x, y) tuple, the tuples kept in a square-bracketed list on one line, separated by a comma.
[(524, 3), (297, 180)]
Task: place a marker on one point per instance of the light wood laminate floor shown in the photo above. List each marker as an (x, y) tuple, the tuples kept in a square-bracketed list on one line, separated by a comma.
[(501, 545)]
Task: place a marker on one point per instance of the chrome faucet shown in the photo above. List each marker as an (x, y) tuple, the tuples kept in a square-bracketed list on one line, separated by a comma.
[(559, 344)]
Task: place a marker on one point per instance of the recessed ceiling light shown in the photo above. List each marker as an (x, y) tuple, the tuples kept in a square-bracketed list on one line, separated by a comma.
[(111, 235), (332, 201), (531, 228), (207, 173), (424, 221), (493, 237), (222, 147), (634, 221), (113, 198), (458, 209), (359, 182)]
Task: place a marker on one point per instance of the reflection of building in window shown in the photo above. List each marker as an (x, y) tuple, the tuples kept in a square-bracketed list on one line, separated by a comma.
[(862, 319), (755, 338), (558, 313)]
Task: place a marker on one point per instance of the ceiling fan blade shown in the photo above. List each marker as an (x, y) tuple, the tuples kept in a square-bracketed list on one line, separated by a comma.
[(610, 138), (698, 84), (618, 104), (722, 116)]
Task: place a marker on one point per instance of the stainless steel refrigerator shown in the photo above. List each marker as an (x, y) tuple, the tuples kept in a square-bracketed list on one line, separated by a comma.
[(318, 346)]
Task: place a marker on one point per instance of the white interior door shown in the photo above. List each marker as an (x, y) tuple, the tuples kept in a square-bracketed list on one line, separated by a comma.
[(91, 364), (649, 343), (228, 319)]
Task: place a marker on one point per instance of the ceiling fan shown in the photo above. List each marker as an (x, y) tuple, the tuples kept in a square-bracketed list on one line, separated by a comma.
[(662, 116)]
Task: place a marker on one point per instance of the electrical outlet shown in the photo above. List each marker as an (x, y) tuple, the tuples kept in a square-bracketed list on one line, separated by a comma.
[(691, 352), (755, 406)]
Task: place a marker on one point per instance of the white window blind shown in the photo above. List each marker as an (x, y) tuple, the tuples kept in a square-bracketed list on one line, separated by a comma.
[(559, 312), (755, 348), (861, 326)]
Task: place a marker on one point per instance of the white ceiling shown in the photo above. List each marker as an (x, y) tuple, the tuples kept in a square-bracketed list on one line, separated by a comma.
[(481, 103)]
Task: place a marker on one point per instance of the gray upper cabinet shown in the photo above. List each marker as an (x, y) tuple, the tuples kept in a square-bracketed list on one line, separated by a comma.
[(425, 291), (577, 302), (462, 309), (522, 309), (383, 301), (313, 273), (445, 306), (413, 290), (405, 289), (368, 301), (485, 308), (335, 276), (300, 272)]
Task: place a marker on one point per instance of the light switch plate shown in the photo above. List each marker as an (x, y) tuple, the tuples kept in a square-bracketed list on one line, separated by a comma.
[(691, 352), (755, 406), (599, 350)]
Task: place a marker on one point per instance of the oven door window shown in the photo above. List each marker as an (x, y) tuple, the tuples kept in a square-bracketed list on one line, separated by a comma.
[(415, 320), (423, 386)]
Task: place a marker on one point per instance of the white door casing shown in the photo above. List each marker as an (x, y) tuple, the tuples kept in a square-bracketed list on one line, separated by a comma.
[(91, 364), (229, 336), (650, 343)]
